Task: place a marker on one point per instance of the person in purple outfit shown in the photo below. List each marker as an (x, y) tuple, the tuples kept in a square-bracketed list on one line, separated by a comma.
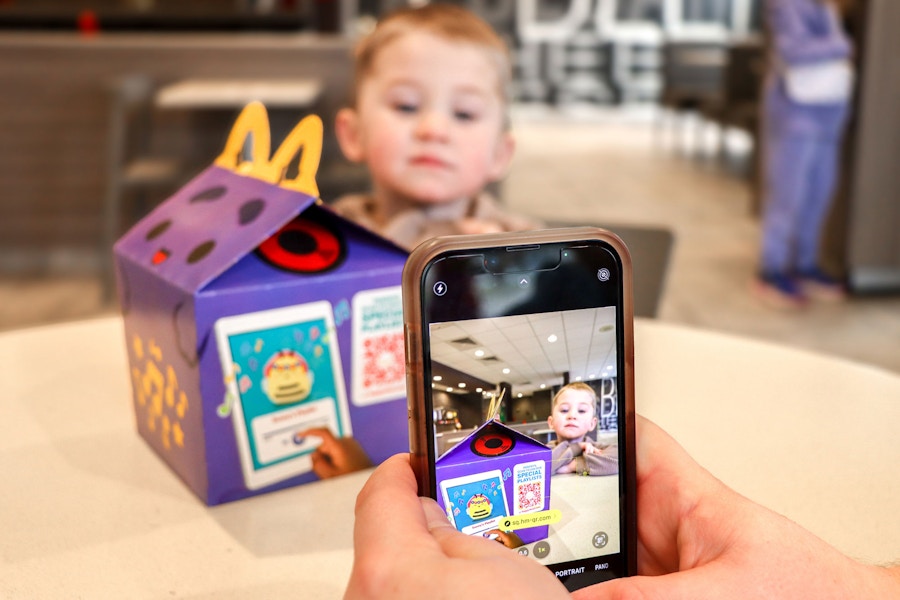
[(802, 139)]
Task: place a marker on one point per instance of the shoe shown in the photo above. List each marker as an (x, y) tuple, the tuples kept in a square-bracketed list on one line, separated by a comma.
[(820, 286), (780, 291)]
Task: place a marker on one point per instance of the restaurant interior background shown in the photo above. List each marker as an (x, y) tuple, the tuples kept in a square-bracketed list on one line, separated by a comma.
[(636, 115)]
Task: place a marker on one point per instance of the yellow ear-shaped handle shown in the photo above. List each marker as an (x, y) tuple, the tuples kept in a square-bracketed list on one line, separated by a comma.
[(253, 121), (305, 138)]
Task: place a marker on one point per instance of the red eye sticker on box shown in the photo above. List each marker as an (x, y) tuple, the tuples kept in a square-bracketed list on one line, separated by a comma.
[(379, 363)]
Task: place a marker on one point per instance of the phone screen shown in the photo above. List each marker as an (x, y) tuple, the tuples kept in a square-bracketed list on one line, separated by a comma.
[(523, 360)]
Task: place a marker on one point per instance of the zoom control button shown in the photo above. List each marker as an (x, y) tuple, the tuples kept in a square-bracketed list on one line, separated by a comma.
[(541, 550)]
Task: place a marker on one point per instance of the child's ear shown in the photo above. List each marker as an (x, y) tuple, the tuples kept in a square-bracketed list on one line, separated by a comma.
[(503, 154), (346, 127)]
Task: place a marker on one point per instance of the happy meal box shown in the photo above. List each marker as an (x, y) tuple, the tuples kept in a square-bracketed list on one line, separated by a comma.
[(494, 473), (264, 332)]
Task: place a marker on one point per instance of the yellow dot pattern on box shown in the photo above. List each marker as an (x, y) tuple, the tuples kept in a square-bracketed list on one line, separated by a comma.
[(158, 394)]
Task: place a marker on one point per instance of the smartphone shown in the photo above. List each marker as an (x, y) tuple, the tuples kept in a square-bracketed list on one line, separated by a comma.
[(521, 397)]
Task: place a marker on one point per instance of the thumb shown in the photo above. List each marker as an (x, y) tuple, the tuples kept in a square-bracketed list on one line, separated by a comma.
[(435, 517), (456, 544)]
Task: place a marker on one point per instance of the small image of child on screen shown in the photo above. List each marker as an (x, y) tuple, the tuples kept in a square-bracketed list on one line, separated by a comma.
[(573, 417)]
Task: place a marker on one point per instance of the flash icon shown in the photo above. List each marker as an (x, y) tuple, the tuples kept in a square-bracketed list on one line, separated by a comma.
[(440, 288), (603, 274)]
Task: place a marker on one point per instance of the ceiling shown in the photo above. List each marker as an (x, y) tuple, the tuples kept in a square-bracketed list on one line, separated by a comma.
[(584, 346)]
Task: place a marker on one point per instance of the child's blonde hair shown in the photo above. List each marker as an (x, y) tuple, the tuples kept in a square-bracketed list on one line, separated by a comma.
[(453, 23), (577, 386)]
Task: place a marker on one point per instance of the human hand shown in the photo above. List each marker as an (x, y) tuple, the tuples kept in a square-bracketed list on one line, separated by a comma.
[(405, 548), (569, 467), (474, 226), (336, 456), (507, 538), (589, 448), (698, 539)]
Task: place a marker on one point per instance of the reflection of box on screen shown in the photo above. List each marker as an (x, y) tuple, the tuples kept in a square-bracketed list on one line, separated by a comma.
[(252, 314), (492, 473)]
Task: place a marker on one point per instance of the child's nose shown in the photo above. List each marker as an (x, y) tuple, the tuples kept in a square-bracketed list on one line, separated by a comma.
[(432, 125)]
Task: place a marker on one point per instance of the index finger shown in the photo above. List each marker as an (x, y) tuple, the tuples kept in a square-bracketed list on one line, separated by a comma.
[(321, 432)]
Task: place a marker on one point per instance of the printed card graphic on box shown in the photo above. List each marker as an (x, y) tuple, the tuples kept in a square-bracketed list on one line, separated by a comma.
[(475, 503), (379, 362), (528, 487), (493, 473), (253, 314), (283, 370)]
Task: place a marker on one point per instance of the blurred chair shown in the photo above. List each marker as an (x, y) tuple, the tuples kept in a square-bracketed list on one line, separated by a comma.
[(134, 175), (692, 73), (651, 249), (737, 106), (738, 102), (338, 177)]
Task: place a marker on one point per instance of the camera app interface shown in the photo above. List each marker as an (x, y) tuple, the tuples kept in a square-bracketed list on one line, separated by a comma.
[(524, 403)]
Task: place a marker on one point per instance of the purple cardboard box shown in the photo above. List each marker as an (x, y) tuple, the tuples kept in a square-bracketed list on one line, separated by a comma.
[(493, 473), (259, 323)]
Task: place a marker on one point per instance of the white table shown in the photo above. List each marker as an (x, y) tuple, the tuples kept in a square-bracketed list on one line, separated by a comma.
[(88, 510), (299, 93)]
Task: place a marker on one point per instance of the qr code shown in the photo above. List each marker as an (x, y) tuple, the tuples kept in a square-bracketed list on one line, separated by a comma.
[(383, 360), (530, 496)]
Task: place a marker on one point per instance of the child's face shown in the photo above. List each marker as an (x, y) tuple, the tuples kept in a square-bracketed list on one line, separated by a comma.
[(429, 120), (573, 415)]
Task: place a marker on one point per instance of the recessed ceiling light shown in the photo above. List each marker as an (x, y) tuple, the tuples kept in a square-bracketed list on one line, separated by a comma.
[(552, 338), (506, 371), (578, 378), (449, 389), (479, 353), (462, 384), (437, 377), (519, 395), (543, 386), (478, 390)]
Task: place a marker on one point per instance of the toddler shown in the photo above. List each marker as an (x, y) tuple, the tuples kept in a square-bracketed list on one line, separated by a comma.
[(574, 415), (429, 120)]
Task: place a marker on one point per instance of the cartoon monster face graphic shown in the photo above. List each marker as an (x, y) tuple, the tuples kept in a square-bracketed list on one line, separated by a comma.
[(209, 224), (208, 227), (286, 377), (479, 507)]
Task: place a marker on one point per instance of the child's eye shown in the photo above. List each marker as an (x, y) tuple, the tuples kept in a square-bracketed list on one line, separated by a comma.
[(406, 107), (464, 115)]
